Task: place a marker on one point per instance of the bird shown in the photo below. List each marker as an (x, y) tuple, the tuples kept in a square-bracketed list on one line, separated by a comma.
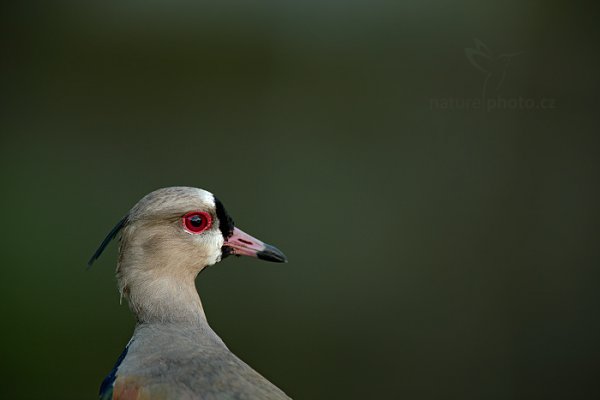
[(166, 240)]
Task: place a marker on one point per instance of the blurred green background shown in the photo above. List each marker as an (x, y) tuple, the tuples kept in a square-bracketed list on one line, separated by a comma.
[(436, 251)]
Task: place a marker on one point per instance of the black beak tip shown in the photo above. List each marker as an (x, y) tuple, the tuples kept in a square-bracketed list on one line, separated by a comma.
[(272, 253)]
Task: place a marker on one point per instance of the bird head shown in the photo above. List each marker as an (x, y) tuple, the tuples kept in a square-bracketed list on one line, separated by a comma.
[(174, 233)]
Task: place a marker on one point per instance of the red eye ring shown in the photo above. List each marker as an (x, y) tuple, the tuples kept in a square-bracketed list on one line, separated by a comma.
[(196, 222)]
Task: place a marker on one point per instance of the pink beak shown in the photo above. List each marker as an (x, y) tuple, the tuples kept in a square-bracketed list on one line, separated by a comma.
[(242, 244)]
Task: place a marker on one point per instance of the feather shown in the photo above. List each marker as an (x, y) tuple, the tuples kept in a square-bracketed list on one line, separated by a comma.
[(106, 388), (111, 235)]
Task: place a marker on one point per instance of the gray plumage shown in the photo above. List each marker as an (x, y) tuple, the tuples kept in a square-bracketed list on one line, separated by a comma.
[(182, 361), (174, 354)]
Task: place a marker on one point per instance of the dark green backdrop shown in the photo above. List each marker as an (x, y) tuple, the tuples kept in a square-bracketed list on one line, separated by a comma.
[(438, 250)]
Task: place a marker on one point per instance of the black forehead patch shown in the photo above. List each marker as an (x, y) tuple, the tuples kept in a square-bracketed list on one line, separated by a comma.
[(226, 223)]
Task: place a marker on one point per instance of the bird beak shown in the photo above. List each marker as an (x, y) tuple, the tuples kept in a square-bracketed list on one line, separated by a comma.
[(242, 244)]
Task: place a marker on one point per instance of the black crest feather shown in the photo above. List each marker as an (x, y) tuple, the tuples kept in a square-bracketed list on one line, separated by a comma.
[(111, 235)]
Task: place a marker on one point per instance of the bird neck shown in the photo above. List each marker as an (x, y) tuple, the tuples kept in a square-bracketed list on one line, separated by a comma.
[(164, 298)]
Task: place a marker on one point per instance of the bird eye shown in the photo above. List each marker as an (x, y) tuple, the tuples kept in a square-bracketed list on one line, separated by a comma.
[(197, 222)]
